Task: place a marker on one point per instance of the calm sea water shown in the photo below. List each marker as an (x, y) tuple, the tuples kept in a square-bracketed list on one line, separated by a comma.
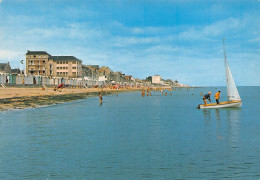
[(130, 137)]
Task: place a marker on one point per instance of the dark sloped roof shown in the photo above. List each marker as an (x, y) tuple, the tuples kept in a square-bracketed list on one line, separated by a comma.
[(15, 70), (2, 66), (37, 53), (65, 58)]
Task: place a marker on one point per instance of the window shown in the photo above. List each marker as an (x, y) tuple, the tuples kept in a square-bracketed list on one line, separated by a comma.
[(63, 67), (34, 56), (73, 67), (67, 62), (58, 67), (73, 62), (43, 61)]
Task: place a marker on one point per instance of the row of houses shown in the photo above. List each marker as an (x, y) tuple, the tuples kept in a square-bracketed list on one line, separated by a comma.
[(42, 64)]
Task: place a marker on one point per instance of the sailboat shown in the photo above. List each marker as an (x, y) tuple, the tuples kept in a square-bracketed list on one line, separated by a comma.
[(234, 99)]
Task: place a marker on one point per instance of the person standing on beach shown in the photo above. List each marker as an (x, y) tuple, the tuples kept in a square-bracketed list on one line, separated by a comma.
[(205, 97), (100, 96), (217, 97), (143, 93)]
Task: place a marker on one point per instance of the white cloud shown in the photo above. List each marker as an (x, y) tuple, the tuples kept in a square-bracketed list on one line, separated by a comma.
[(140, 51), (219, 28)]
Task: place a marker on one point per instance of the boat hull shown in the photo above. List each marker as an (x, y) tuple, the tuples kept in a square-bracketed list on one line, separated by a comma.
[(227, 104)]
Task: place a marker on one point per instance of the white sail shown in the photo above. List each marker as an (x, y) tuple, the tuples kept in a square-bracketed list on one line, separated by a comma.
[(232, 91)]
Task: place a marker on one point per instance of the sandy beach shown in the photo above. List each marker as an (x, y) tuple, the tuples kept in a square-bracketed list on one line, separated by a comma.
[(19, 98)]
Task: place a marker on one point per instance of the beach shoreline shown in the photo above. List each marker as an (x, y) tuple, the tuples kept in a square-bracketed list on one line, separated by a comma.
[(21, 98)]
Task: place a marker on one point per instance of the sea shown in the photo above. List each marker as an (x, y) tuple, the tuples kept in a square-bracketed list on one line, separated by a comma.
[(133, 137)]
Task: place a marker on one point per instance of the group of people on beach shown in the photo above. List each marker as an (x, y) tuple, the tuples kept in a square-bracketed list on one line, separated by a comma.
[(148, 91), (207, 97)]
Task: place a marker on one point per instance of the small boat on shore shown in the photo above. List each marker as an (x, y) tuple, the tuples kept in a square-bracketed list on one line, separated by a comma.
[(234, 99)]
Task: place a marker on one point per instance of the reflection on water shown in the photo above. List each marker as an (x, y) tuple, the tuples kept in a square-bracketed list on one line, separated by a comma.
[(233, 117), (228, 117), (217, 114), (207, 115)]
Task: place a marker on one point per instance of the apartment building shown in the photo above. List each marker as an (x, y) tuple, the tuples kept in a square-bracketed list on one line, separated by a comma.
[(44, 64), (66, 66), (37, 63)]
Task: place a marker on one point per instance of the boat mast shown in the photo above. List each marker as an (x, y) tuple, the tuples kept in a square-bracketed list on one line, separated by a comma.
[(225, 56), (225, 61), (226, 69)]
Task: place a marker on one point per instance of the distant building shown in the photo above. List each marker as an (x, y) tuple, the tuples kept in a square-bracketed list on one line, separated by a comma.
[(156, 79), (66, 66), (37, 63), (117, 77), (104, 74), (128, 78), (90, 71), (5, 68), (42, 63)]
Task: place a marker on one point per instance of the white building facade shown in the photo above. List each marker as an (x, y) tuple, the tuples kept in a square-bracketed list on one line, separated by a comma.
[(156, 79)]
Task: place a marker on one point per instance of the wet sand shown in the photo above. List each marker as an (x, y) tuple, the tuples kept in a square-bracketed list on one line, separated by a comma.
[(20, 98)]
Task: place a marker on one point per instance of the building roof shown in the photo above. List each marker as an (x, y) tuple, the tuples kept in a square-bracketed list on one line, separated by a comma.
[(15, 71), (65, 58), (94, 66), (37, 53), (3, 65)]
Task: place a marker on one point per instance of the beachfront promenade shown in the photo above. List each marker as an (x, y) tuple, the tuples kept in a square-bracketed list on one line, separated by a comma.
[(22, 91)]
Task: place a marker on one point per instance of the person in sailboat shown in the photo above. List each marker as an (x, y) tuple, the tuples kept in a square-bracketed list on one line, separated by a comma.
[(205, 97), (217, 97)]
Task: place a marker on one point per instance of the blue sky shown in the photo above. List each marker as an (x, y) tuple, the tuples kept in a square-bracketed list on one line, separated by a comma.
[(178, 39)]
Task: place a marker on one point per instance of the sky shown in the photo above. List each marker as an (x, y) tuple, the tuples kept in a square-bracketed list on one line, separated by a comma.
[(177, 39)]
